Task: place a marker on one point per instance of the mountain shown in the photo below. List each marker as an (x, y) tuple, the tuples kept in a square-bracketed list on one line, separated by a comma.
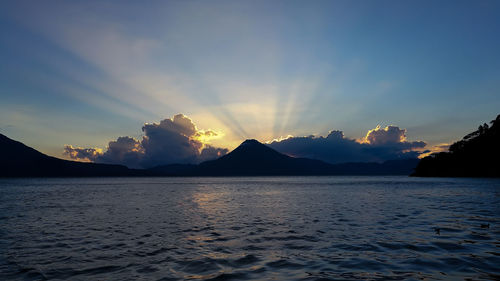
[(19, 160), (476, 155), (253, 158)]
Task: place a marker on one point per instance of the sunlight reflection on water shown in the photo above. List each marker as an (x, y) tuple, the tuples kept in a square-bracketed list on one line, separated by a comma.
[(300, 228)]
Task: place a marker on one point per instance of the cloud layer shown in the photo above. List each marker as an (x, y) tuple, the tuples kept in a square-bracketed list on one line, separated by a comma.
[(379, 144), (173, 140), (178, 140)]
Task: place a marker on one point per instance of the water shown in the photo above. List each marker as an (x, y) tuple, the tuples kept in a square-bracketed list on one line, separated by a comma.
[(269, 228)]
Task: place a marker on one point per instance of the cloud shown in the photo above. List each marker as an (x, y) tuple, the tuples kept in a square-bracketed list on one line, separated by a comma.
[(125, 150), (178, 140), (173, 140), (389, 134), (379, 144), (82, 154), (210, 152)]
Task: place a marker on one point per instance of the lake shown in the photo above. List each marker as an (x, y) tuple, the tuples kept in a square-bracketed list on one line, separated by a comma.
[(258, 228)]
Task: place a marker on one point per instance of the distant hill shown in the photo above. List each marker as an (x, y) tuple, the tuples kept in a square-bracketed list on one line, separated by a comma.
[(476, 155), (253, 158), (19, 160)]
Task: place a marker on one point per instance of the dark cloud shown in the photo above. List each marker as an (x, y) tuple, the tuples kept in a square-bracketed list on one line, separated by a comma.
[(178, 140), (379, 144), (210, 152), (173, 140), (125, 150)]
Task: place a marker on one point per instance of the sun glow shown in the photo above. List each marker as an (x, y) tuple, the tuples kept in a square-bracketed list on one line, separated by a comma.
[(206, 136), (442, 147), (281, 138), (390, 133)]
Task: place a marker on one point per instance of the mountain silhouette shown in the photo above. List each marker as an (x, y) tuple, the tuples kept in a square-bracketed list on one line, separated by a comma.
[(476, 155), (19, 160), (253, 158)]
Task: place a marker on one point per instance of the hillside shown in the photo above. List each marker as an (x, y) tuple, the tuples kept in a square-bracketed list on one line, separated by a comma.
[(476, 155), (19, 160)]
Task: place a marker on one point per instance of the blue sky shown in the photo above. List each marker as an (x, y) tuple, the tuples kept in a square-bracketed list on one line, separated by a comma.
[(86, 72)]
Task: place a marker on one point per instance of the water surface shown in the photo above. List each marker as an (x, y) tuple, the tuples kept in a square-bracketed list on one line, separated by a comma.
[(262, 228)]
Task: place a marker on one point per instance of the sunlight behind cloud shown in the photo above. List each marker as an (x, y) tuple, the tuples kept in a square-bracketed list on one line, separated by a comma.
[(389, 134), (171, 141), (137, 82), (253, 69), (442, 147)]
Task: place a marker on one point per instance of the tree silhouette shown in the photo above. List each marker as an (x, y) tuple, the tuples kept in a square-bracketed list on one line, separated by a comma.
[(476, 155)]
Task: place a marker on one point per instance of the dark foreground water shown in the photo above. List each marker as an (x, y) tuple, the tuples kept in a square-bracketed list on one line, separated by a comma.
[(283, 228)]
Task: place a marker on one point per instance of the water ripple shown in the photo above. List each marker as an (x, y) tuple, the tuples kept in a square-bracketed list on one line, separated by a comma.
[(295, 228)]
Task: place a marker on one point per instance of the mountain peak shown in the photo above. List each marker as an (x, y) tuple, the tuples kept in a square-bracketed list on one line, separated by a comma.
[(252, 157), (250, 142), (253, 148)]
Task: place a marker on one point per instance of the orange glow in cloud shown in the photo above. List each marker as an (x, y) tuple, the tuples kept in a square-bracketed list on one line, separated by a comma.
[(188, 128), (87, 155), (281, 138), (381, 135), (442, 147), (206, 136)]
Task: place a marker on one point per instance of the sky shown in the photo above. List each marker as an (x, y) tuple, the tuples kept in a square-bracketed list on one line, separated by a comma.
[(103, 75)]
